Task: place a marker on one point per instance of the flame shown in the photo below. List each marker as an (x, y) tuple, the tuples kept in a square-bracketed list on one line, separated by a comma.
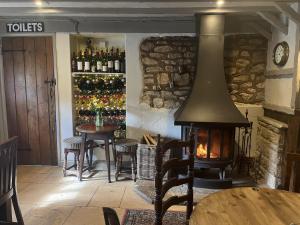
[(202, 152)]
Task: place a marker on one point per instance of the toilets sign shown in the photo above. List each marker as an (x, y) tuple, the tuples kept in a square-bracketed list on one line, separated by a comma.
[(25, 27)]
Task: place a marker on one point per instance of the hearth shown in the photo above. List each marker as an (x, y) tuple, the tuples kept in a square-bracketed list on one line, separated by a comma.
[(209, 111)]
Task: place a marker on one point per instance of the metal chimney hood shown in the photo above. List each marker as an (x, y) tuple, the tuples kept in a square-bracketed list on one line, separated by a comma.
[(209, 103)]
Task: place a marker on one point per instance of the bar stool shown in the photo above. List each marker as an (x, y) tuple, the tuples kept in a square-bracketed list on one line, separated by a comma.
[(126, 147), (74, 144)]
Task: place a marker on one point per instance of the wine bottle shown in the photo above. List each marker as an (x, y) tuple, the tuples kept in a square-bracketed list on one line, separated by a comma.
[(99, 62), (104, 63), (80, 62), (122, 63), (117, 62), (93, 63), (110, 66), (87, 63), (74, 63)]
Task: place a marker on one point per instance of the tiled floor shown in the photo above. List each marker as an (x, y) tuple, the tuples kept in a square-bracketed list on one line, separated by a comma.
[(48, 198)]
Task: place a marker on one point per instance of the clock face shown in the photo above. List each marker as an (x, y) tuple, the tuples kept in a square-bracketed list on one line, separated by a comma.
[(281, 54)]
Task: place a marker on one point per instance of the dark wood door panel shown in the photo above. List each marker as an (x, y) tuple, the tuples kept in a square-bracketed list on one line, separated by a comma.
[(28, 63)]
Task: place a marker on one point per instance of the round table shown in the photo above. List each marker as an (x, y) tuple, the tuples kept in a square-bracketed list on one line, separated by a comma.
[(248, 206), (91, 132)]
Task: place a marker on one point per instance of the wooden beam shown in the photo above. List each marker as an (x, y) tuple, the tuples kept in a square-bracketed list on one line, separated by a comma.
[(288, 11), (261, 30), (274, 21)]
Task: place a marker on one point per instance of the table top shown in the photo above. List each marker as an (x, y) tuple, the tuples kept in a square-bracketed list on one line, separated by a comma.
[(248, 206), (92, 129)]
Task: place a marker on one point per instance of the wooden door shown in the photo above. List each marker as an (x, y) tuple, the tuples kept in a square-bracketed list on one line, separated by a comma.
[(30, 97)]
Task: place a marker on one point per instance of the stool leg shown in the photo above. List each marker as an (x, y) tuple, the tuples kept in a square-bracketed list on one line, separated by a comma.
[(77, 160), (132, 166), (91, 158), (135, 166), (114, 150), (118, 166), (65, 163)]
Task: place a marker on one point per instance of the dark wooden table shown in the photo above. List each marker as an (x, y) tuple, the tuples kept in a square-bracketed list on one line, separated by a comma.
[(91, 132), (251, 206)]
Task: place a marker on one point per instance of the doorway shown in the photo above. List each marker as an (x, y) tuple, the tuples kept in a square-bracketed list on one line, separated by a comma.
[(28, 71)]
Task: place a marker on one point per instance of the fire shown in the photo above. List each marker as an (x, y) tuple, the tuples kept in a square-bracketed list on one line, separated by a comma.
[(202, 152)]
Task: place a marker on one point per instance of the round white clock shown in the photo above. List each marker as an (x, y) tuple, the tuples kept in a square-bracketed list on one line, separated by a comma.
[(281, 53)]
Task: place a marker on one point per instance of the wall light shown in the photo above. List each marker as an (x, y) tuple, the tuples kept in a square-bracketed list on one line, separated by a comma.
[(38, 3), (220, 3)]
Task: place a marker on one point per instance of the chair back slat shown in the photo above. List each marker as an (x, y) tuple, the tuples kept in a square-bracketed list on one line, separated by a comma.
[(110, 216), (8, 152), (161, 187)]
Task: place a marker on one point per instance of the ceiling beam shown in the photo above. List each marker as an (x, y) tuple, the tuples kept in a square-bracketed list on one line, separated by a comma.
[(274, 21), (136, 4), (288, 11), (261, 30)]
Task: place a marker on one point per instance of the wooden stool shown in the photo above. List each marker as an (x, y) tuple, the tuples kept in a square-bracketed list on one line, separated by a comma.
[(126, 147), (74, 144)]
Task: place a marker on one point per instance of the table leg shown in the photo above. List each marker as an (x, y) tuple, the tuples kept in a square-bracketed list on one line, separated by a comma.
[(81, 156), (107, 154)]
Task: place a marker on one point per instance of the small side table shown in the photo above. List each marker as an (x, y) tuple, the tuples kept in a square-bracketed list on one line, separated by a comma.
[(126, 147), (91, 132)]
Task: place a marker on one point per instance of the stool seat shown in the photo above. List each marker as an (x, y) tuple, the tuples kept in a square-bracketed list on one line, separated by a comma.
[(126, 147)]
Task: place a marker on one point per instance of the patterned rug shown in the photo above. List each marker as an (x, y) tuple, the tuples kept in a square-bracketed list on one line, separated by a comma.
[(146, 217)]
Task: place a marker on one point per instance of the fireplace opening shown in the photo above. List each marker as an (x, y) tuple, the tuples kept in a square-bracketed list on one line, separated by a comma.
[(213, 144)]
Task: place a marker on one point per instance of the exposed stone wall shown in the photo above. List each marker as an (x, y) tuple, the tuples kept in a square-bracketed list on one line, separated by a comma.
[(271, 142), (169, 65), (245, 64)]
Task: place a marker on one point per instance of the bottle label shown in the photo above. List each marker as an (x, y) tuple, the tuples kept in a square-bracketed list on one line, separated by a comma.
[(117, 65), (79, 66), (93, 68), (104, 68), (110, 64), (87, 65), (99, 65)]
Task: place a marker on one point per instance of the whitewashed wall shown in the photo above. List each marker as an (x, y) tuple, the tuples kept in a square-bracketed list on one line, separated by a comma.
[(280, 92)]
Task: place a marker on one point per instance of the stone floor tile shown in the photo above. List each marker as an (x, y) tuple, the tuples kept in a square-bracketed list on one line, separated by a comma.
[(85, 216), (47, 215)]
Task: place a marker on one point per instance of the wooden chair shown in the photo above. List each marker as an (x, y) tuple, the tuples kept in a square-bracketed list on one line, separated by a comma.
[(110, 216), (8, 163), (291, 158), (161, 186)]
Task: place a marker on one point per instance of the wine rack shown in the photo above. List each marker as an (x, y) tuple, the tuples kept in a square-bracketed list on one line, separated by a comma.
[(104, 91)]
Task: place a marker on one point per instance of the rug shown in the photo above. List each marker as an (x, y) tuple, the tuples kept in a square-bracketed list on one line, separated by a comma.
[(146, 217), (145, 188)]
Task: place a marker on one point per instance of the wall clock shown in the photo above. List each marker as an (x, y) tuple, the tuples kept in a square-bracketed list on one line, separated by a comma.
[(281, 53)]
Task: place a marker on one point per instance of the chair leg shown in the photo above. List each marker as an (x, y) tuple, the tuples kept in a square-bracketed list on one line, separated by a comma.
[(17, 209), (65, 163)]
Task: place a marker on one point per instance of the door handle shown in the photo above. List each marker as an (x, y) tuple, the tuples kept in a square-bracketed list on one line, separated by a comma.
[(51, 82)]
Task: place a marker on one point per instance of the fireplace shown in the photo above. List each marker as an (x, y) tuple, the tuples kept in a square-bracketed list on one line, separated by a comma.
[(209, 111)]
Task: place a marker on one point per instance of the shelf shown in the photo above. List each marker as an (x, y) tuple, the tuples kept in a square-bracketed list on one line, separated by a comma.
[(76, 74)]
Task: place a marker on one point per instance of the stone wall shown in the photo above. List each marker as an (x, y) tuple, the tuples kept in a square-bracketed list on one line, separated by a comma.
[(245, 64), (169, 65), (271, 142)]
